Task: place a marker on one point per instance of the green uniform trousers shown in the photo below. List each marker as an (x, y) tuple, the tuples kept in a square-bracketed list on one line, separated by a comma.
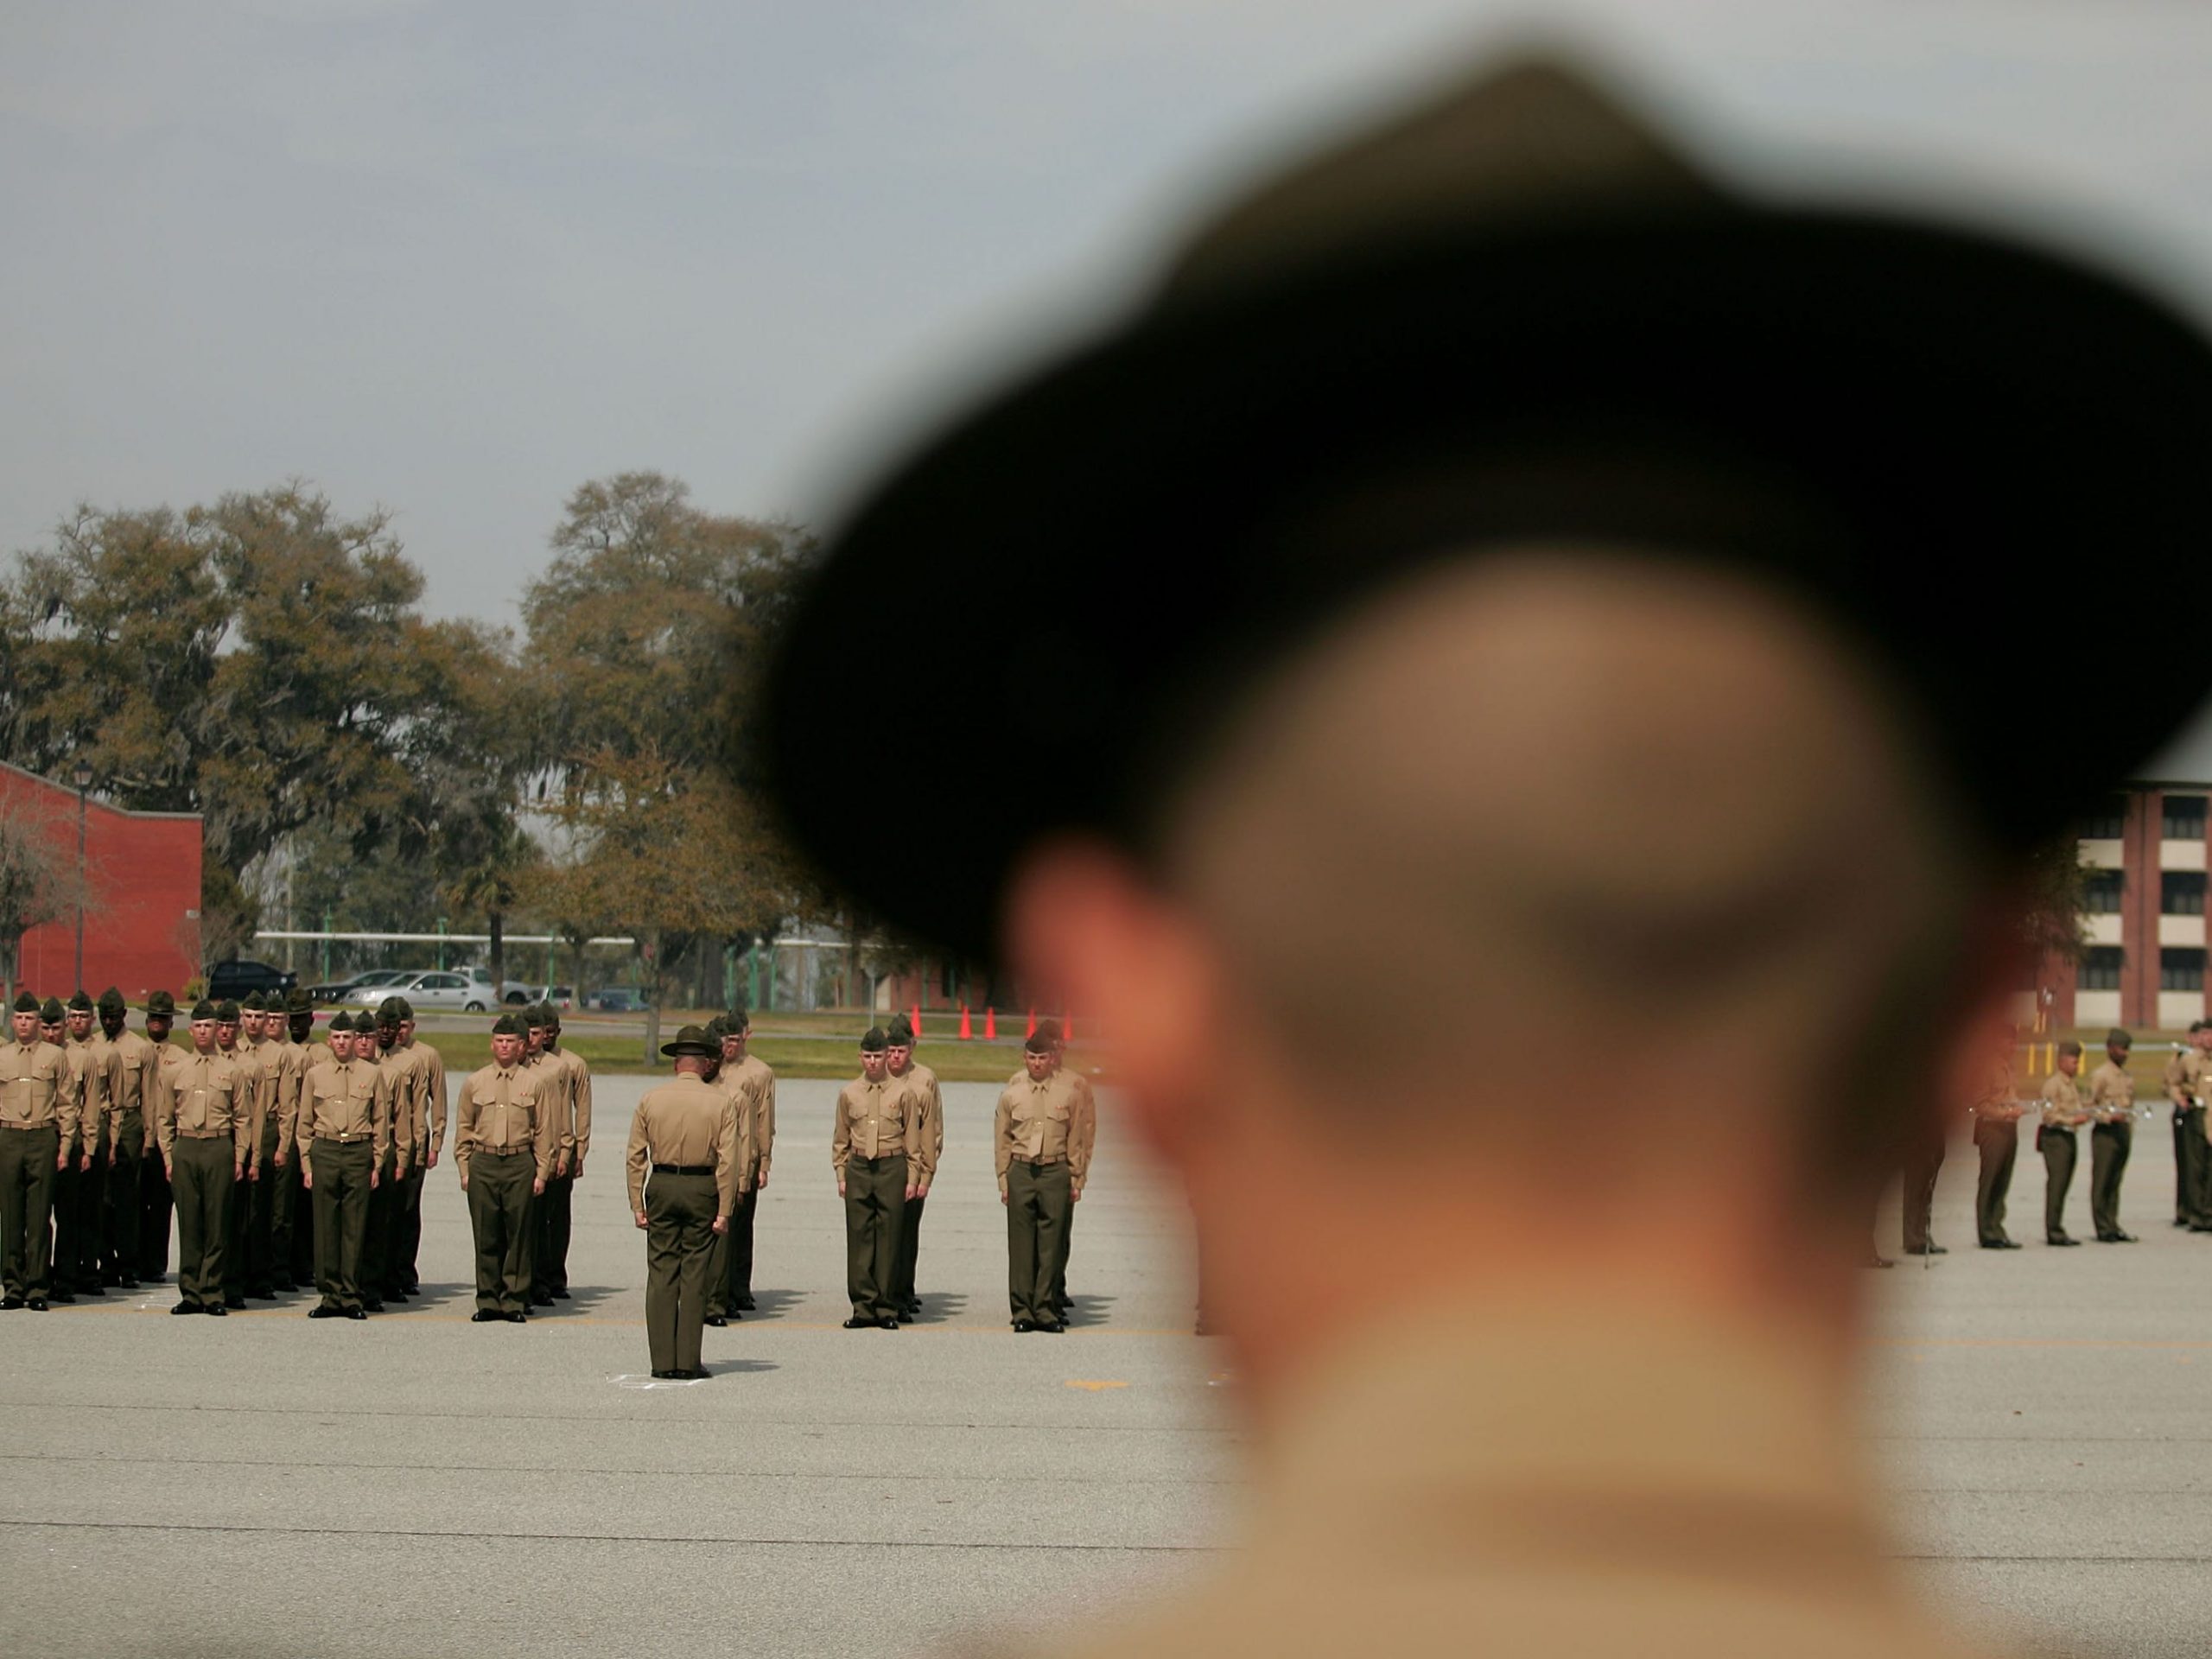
[(498, 1213), (155, 1201), (2060, 1147), (729, 1283), (262, 1198), (341, 1220), (407, 1245), (121, 1202), (202, 1177), (910, 1250), (875, 1202), (302, 1229), (550, 1249), (679, 1247), (1918, 1194), (381, 1230), (2191, 1155), (2109, 1145), (1038, 1201), (27, 1209), (1998, 1144)]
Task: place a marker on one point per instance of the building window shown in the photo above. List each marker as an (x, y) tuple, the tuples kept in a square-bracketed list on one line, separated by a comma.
[(2100, 891), (2101, 968), (2181, 970), (2109, 822), (2181, 893), (2184, 819)]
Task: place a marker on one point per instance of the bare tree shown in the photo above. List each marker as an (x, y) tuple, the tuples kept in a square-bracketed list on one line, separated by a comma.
[(38, 880)]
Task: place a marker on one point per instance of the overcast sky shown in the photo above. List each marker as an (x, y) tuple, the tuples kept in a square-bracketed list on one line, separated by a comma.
[(454, 259)]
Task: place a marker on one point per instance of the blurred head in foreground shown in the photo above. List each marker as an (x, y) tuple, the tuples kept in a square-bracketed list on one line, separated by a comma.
[(1540, 851)]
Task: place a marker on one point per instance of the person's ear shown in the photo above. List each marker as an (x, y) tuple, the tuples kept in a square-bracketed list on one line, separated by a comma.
[(1083, 920)]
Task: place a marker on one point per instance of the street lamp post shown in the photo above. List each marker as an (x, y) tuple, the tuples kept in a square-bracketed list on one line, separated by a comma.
[(83, 779)]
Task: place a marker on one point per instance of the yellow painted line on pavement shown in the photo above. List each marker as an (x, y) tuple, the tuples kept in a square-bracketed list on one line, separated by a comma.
[(1093, 1388)]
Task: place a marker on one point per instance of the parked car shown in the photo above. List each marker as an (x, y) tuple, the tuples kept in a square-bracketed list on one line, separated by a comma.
[(450, 987), (616, 999), (337, 992), (561, 996), (236, 979)]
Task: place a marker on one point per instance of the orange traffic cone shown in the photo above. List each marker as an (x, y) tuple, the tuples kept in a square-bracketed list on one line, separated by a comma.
[(967, 1031), (990, 1025), (914, 1018), (1032, 1022)]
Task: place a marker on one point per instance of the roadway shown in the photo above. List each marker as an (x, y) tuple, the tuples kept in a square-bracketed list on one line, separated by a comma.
[(418, 1486)]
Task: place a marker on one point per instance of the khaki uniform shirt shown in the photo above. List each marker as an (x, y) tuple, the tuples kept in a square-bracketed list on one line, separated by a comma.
[(922, 1082), (2112, 1093), (689, 1123), (556, 1083), (96, 1104), (2189, 1077), (500, 1111), (91, 1109), (202, 1096), (124, 1061), (1998, 1101), (287, 1068), (1041, 1122), (572, 1115), (346, 1102), (407, 1074), (878, 1120), (1467, 1481), (38, 1086), (260, 1091), (751, 1085), (2062, 1102), (1085, 1130)]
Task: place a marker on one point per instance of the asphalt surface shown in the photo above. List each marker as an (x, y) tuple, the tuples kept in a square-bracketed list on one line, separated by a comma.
[(419, 1486)]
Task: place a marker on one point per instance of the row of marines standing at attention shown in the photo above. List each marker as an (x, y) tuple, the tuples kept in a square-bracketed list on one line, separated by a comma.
[(285, 1162), (698, 1159), (2103, 1102)]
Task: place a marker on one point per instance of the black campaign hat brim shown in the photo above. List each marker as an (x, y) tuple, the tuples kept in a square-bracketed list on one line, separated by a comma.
[(1967, 409)]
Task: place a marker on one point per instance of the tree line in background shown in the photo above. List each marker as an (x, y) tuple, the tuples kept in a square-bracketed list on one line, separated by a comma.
[(264, 661)]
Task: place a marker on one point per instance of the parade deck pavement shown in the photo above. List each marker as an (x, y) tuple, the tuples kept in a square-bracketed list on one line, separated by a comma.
[(418, 1486)]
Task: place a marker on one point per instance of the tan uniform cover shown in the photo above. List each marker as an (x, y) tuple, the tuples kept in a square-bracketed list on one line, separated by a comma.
[(204, 1094), (878, 1120), (2112, 1095), (500, 1111), (343, 1099), (691, 1123), (1041, 1123), (38, 1086)]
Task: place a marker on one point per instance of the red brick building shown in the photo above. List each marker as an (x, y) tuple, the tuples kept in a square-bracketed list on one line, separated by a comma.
[(142, 888), (2148, 864)]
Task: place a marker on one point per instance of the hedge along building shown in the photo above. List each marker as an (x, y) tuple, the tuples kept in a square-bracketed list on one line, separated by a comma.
[(136, 879)]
